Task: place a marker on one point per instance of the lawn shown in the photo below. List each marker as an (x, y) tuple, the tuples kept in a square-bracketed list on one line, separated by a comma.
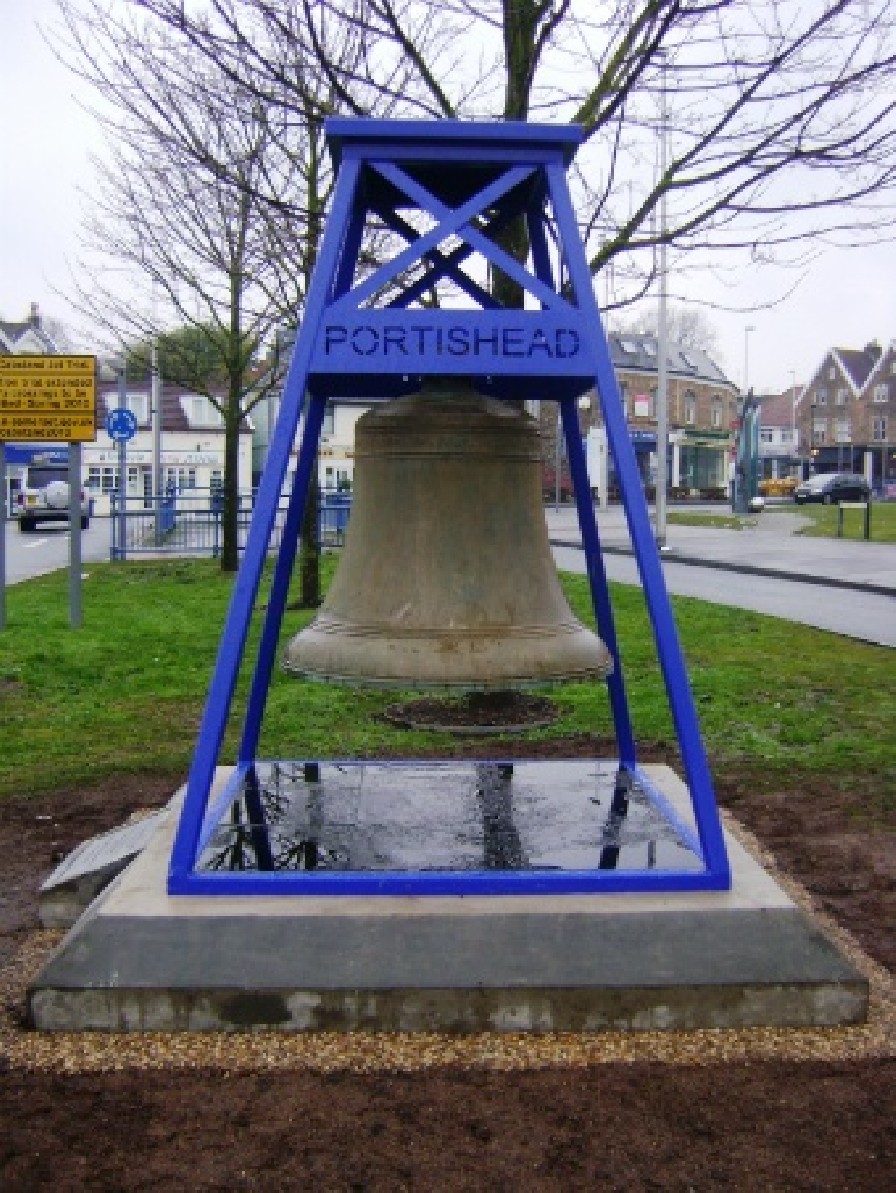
[(823, 520), (125, 692), (714, 520)]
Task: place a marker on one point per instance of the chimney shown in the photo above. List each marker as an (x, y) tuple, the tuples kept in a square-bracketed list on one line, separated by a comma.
[(874, 350), (34, 317)]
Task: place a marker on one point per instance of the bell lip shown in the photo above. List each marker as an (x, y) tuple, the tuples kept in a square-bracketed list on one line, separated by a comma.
[(590, 661)]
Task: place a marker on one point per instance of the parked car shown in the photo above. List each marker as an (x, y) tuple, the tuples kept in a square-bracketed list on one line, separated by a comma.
[(44, 498), (833, 487)]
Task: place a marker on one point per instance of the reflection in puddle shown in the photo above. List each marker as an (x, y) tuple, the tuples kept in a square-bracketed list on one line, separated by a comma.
[(294, 816)]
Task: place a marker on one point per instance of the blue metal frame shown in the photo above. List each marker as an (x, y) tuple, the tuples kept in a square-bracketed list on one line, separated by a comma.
[(471, 179)]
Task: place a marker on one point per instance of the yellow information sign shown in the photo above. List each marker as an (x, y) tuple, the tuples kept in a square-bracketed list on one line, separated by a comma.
[(48, 398)]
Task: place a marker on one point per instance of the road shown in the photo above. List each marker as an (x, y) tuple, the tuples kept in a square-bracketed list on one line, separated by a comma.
[(844, 586), (47, 548), (869, 617)]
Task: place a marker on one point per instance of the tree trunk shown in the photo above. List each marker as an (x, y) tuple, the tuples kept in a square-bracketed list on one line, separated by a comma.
[(309, 558), (230, 555)]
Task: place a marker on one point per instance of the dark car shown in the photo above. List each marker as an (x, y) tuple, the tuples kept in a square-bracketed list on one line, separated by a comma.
[(833, 487)]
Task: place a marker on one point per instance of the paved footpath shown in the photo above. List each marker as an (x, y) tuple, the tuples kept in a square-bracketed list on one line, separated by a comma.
[(842, 585)]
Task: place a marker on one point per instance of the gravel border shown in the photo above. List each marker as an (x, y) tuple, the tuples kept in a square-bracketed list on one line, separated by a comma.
[(368, 1052)]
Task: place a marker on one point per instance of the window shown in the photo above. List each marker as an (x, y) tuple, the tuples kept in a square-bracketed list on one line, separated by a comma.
[(717, 412), (132, 400), (649, 348), (832, 374), (102, 480), (642, 406), (179, 479), (766, 435), (623, 393), (881, 393), (844, 430), (821, 397), (786, 434), (139, 404), (201, 411), (690, 407), (879, 429), (840, 397), (819, 430), (329, 427), (629, 347)]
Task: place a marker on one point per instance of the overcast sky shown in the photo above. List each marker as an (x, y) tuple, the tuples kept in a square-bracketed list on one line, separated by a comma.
[(847, 298)]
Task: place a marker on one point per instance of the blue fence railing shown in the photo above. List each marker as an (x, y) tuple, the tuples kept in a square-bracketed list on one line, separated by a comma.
[(190, 522)]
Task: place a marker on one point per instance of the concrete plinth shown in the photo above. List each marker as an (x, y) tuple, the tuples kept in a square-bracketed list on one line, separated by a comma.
[(139, 959)]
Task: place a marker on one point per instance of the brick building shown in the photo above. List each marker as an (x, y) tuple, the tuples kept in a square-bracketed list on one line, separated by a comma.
[(845, 415), (779, 440), (702, 408)]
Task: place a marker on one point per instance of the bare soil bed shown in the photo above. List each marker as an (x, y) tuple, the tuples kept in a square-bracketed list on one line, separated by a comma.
[(694, 1117)]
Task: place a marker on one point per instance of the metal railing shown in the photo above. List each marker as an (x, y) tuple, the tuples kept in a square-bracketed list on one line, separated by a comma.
[(189, 522)]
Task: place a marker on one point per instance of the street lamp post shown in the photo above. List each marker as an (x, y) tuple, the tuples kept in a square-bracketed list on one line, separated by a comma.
[(662, 384), (747, 331), (739, 502)]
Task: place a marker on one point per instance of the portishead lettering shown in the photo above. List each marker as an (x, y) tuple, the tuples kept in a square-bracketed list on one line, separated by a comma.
[(412, 341)]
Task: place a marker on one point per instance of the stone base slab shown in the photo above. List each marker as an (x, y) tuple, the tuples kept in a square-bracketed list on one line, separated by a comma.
[(139, 959)]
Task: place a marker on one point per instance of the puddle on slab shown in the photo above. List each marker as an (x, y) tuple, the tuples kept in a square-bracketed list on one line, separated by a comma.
[(363, 816)]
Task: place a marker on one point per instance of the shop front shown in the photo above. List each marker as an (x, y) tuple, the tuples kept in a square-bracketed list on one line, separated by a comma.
[(702, 460)]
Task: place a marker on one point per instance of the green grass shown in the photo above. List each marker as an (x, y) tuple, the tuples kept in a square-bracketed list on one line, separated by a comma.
[(713, 521), (823, 520), (125, 692)]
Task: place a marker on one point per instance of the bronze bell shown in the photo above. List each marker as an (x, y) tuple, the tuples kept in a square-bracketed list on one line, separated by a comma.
[(446, 579)]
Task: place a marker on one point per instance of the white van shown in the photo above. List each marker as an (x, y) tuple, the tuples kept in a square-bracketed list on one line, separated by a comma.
[(44, 498)]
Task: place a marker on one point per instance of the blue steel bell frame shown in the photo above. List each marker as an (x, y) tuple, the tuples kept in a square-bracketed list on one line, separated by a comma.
[(471, 179)]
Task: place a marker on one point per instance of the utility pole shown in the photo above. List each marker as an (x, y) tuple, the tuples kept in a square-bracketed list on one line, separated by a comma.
[(155, 402), (662, 380)]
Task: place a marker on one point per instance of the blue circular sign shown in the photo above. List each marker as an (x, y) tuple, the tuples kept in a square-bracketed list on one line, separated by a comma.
[(121, 424)]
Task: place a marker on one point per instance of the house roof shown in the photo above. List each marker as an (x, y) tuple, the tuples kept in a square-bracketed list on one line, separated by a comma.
[(857, 363), (777, 409), (18, 338), (173, 416), (638, 353)]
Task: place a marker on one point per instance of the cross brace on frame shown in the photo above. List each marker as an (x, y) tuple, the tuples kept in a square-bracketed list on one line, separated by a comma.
[(364, 338)]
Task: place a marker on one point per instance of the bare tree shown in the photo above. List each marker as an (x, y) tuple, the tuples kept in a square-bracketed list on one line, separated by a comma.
[(687, 326), (779, 114), (211, 198)]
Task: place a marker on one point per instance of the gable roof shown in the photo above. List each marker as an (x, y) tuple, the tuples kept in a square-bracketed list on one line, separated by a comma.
[(857, 364), (19, 338)]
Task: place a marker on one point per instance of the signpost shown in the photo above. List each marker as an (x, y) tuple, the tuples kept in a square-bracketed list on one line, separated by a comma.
[(121, 425), (49, 399)]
